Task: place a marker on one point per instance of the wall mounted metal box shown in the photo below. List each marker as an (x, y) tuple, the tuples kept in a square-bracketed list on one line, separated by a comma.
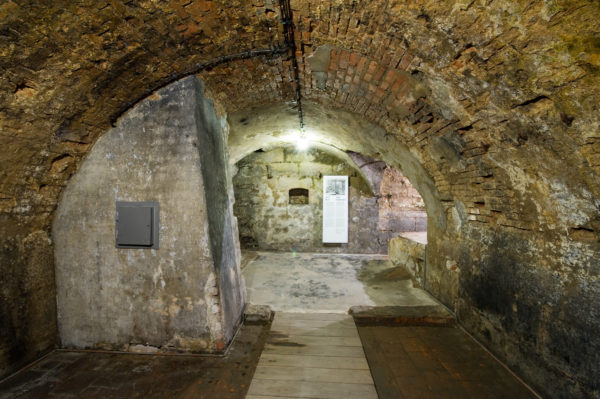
[(136, 225)]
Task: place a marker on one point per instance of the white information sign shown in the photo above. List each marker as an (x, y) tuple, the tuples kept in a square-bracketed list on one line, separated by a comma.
[(335, 209)]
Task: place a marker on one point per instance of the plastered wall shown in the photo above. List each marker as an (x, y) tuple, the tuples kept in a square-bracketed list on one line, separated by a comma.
[(150, 299)]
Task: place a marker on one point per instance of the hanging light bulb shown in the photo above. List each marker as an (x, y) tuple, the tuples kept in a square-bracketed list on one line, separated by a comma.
[(302, 143), (300, 139)]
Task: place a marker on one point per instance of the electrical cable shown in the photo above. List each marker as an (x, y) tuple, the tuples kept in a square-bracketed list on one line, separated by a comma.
[(289, 47), (288, 30)]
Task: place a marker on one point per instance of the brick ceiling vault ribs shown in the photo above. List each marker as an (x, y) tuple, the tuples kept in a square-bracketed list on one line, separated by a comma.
[(276, 50)]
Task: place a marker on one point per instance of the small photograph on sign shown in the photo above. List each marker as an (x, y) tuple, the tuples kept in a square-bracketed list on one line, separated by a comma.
[(335, 187)]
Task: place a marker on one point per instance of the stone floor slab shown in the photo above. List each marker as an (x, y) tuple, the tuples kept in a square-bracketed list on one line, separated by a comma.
[(328, 283)]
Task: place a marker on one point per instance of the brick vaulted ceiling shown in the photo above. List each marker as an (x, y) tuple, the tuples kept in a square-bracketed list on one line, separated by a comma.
[(491, 78), (496, 99)]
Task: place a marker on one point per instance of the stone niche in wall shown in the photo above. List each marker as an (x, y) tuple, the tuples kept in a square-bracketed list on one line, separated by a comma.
[(279, 201), (185, 295)]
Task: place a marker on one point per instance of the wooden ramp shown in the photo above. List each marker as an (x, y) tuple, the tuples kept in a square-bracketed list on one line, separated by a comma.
[(312, 355)]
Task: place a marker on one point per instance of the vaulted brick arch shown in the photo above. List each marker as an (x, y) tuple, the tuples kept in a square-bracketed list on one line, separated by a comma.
[(496, 101)]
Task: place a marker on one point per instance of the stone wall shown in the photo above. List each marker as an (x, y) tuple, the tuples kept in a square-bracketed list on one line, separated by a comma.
[(401, 207), (27, 295), (224, 236), (492, 105), (147, 299), (409, 252), (268, 221)]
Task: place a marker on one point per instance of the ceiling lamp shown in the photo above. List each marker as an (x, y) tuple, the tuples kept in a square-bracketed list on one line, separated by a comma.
[(302, 143)]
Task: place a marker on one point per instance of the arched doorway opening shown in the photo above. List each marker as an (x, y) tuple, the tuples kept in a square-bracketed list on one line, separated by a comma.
[(173, 149), (287, 263)]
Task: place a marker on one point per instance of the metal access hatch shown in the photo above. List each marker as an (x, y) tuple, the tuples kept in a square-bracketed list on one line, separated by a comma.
[(136, 224)]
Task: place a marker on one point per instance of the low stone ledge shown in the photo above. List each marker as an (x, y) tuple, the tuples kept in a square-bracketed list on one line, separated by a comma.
[(433, 315), (258, 315)]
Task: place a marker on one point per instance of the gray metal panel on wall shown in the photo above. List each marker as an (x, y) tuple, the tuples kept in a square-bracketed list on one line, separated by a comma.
[(137, 224)]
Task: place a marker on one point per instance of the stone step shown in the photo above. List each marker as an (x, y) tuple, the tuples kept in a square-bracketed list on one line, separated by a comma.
[(433, 315), (258, 315)]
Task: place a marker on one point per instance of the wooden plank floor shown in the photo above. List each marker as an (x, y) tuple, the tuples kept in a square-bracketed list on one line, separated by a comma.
[(435, 362), (68, 375), (312, 355)]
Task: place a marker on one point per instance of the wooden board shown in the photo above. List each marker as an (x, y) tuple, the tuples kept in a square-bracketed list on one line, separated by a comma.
[(309, 389), (435, 362), (312, 356), (352, 363)]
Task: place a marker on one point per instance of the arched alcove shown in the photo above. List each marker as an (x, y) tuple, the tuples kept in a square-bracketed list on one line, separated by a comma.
[(382, 202), (346, 134)]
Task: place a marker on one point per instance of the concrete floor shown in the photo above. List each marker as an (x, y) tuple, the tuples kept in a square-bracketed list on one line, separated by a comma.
[(327, 283)]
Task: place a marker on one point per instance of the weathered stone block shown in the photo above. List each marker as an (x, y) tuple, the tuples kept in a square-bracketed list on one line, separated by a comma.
[(258, 314), (405, 252)]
